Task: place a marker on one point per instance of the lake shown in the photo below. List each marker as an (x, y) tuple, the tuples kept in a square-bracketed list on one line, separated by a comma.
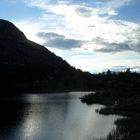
[(57, 116)]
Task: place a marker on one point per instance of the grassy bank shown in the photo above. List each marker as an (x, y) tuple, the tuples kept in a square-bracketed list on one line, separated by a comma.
[(128, 106)]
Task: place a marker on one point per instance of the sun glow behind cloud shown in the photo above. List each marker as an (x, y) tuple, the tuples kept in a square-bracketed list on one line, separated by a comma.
[(86, 34)]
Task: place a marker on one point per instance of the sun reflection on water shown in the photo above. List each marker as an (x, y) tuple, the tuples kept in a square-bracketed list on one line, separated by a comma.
[(49, 117)]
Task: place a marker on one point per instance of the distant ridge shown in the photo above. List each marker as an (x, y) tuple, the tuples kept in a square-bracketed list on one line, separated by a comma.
[(26, 66)]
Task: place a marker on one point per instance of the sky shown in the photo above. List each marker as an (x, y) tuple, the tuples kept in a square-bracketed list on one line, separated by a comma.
[(92, 35)]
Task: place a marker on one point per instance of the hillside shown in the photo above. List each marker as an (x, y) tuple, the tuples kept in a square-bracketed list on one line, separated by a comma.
[(26, 66)]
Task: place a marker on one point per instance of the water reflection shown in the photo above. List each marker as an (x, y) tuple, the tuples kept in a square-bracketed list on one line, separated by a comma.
[(10, 116), (56, 116)]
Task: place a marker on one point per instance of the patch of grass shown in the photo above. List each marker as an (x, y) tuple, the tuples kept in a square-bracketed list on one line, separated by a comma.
[(127, 106)]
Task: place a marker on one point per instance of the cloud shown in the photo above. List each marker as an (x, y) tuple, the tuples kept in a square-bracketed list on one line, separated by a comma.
[(85, 33), (124, 68), (59, 41), (117, 4), (82, 23), (118, 68), (130, 43), (84, 11), (111, 7), (135, 69), (42, 4), (114, 47)]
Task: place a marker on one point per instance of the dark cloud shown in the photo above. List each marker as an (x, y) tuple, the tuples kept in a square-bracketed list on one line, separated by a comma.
[(59, 41), (82, 11), (114, 47), (50, 35)]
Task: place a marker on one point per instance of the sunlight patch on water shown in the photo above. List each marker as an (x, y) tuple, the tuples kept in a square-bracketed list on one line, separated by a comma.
[(60, 116)]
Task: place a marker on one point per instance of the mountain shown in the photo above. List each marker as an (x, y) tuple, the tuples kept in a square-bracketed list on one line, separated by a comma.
[(26, 66)]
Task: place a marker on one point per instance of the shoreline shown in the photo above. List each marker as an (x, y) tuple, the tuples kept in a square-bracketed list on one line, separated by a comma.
[(124, 106)]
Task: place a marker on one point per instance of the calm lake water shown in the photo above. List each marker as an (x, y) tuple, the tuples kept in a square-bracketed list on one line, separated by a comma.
[(59, 116)]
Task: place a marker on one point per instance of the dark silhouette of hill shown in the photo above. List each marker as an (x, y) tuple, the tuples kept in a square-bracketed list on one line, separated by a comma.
[(26, 66), (10, 31)]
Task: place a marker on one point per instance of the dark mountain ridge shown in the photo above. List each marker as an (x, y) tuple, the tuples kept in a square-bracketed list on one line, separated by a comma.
[(26, 66), (10, 31)]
